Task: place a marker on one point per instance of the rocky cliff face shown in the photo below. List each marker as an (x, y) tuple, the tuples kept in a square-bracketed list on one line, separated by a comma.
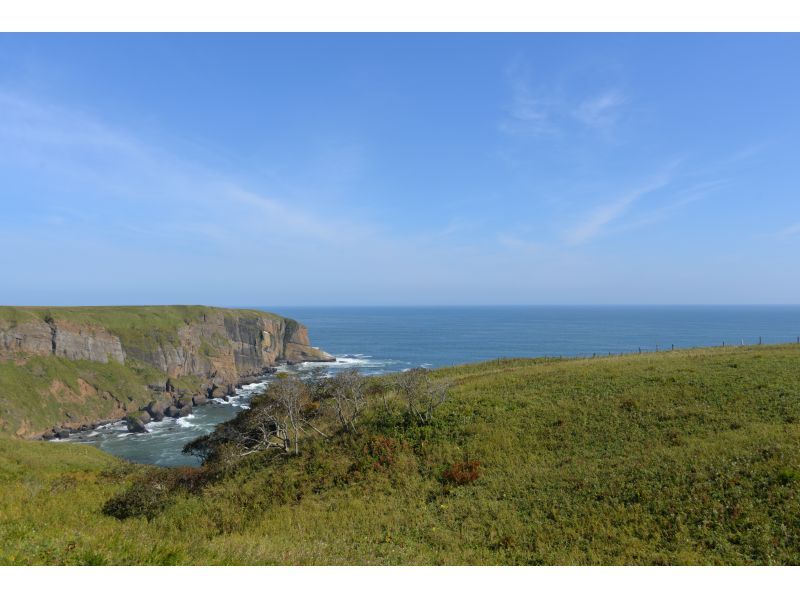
[(63, 339), (222, 345), (225, 348)]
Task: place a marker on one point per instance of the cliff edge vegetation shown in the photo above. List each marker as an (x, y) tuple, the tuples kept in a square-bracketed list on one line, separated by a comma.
[(75, 366), (684, 457)]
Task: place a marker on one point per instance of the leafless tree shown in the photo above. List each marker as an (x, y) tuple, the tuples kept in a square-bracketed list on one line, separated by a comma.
[(281, 417), (348, 397), (420, 393)]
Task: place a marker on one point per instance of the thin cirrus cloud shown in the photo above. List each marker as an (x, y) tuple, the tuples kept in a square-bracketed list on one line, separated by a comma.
[(598, 220), (789, 231), (609, 218), (167, 193), (130, 192), (602, 110), (528, 112), (679, 199), (549, 112), (616, 216)]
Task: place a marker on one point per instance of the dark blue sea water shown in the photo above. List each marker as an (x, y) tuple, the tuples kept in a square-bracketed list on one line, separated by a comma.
[(397, 337), (385, 339)]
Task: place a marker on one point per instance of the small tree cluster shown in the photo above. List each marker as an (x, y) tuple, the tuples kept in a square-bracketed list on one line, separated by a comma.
[(276, 421), (282, 416), (292, 409), (348, 397), (420, 394)]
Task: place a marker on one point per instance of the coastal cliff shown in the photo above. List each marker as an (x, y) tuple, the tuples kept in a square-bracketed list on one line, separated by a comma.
[(74, 366)]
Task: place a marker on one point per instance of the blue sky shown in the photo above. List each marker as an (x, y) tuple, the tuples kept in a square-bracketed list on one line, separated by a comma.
[(399, 169)]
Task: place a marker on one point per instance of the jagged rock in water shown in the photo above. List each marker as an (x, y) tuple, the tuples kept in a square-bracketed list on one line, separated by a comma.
[(135, 424), (156, 410)]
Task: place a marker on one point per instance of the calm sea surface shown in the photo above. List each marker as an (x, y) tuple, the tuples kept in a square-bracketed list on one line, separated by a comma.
[(385, 339)]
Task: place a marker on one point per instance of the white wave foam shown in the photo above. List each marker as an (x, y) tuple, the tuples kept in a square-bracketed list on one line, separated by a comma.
[(155, 426), (350, 361), (254, 386)]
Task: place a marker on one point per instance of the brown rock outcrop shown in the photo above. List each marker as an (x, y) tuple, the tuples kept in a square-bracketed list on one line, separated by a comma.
[(63, 339)]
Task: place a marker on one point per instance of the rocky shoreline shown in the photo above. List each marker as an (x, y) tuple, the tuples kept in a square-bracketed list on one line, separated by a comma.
[(168, 401)]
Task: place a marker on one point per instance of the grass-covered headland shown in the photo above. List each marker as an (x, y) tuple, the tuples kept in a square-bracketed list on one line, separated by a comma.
[(64, 369), (684, 457)]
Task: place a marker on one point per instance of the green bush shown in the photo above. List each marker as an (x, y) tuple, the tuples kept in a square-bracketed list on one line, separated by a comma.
[(151, 493)]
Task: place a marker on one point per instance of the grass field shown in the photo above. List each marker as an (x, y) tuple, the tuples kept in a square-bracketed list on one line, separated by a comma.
[(684, 457)]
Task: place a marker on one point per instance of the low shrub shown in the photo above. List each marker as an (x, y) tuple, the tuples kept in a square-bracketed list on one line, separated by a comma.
[(153, 492), (383, 451), (463, 472), (144, 498)]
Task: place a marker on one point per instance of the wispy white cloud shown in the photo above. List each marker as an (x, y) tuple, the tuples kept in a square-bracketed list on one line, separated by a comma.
[(677, 200), (517, 244), (527, 111), (167, 193), (747, 152), (142, 206), (597, 221), (602, 110), (790, 231), (615, 216), (295, 222), (544, 110)]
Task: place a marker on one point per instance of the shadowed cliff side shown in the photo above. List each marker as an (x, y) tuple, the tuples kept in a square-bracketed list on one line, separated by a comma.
[(74, 366)]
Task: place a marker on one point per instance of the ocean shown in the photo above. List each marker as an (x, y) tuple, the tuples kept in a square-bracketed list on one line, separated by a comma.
[(385, 339)]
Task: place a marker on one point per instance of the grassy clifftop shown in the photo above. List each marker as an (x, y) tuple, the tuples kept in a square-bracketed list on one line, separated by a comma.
[(680, 457), (134, 325)]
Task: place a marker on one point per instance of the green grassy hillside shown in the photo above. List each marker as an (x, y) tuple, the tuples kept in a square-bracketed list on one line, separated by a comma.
[(685, 457), (42, 391)]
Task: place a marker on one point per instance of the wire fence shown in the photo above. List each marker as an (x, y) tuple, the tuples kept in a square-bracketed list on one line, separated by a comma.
[(658, 348)]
